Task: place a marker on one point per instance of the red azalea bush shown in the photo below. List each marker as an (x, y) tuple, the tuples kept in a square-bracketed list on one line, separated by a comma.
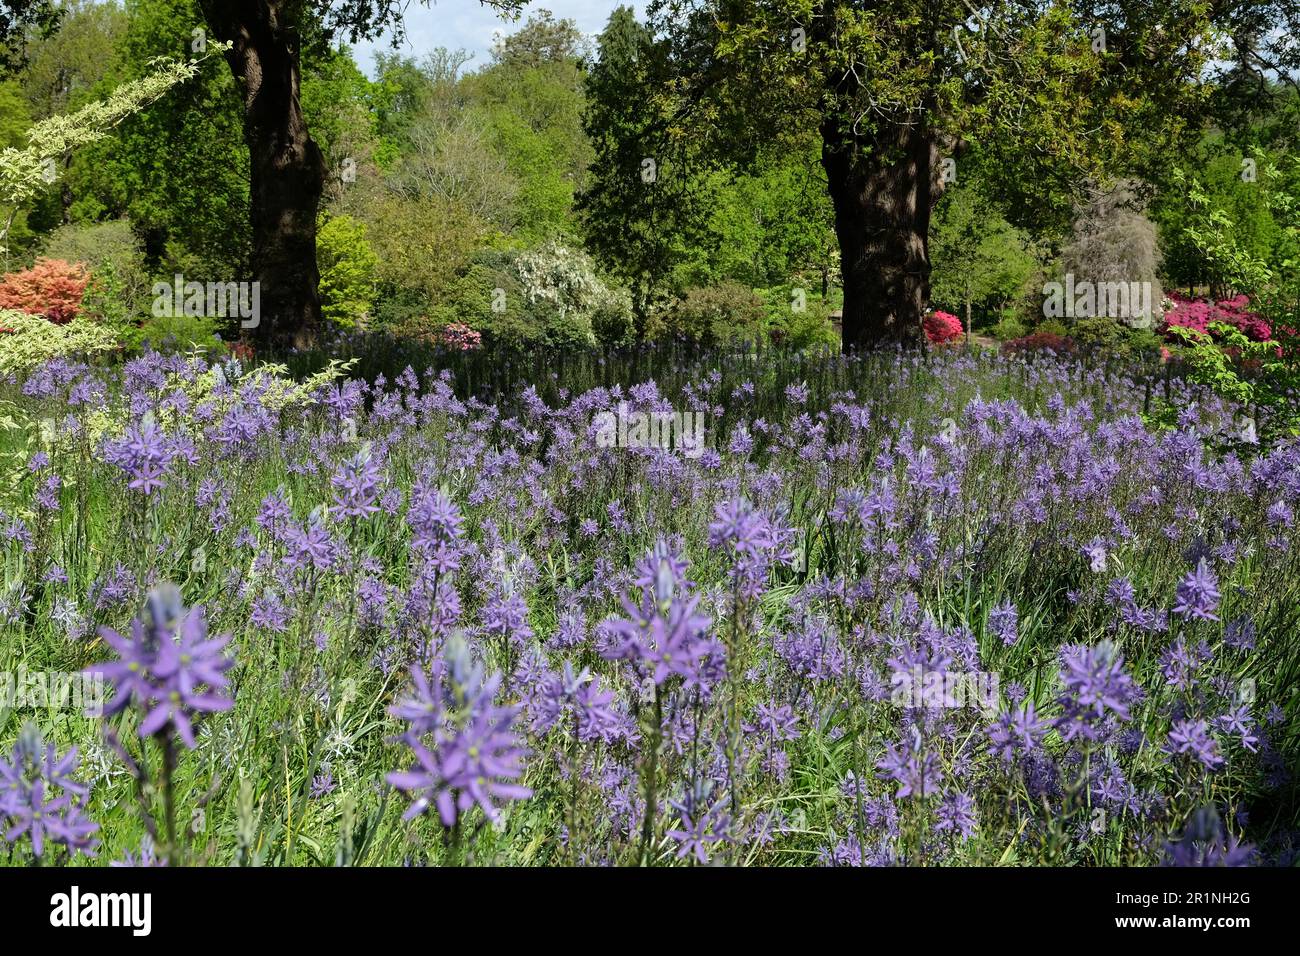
[(1039, 342), (241, 350), (942, 328), (1198, 314), (52, 288)]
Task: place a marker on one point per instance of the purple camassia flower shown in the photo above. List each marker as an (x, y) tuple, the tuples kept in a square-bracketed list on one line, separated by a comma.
[(1239, 634), (1204, 842), (436, 527), (580, 695), (1095, 686), (956, 812), (700, 827), (664, 636), (1095, 552), (1017, 732), (1120, 594), (1240, 723), (1193, 737), (1181, 663), (913, 767), (147, 856), (775, 722), (269, 612), (356, 485), (571, 630), (47, 495), (310, 544), (143, 453), (322, 785), (506, 615), (1280, 513), (753, 540), (275, 514), (116, 589), (40, 799), (1004, 622), (168, 667), (466, 752), (1198, 594)]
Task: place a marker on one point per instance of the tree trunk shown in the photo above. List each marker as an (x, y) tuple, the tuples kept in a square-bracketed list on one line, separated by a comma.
[(287, 170), (968, 295), (882, 200)]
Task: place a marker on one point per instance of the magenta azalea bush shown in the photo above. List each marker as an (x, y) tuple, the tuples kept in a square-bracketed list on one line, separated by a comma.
[(1197, 314)]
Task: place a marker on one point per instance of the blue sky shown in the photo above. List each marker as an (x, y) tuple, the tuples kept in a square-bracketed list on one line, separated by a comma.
[(469, 25)]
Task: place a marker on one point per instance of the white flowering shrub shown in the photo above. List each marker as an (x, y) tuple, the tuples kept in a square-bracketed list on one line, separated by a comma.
[(562, 281)]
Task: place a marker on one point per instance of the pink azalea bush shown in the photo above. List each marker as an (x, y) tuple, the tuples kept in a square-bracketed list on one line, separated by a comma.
[(1198, 314), (942, 328), (458, 336)]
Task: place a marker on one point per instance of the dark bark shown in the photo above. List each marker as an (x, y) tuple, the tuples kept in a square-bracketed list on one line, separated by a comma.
[(287, 169), (883, 194)]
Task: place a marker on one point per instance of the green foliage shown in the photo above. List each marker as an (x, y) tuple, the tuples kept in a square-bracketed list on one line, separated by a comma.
[(25, 172), (560, 286), (808, 331), (15, 120), (457, 172), (1112, 240), (979, 260), (64, 69), (402, 91), (766, 225), (348, 266), (1216, 217), (533, 99), (1008, 326), (549, 296), (740, 75), (1106, 336), (1279, 301), (712, 315), (119, 293), (645, 209), (180, 332), (1240, 236), (1216, 236), (179, 174), (1260, 376), (421, 244), (335, 100), (100, 246)]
